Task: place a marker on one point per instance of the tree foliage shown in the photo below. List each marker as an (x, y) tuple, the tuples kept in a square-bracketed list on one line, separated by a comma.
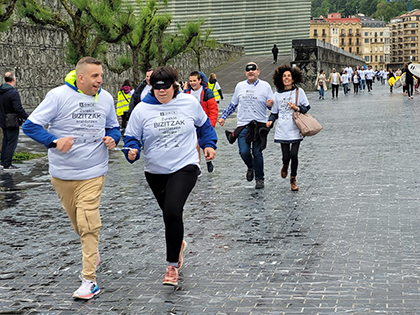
[(78, 18), (201, 44), (374, 8), (150, 43), (6, 10)]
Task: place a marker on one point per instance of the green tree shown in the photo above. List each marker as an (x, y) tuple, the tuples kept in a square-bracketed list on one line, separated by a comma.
[(200, 44), (6, 10), (78, 19)]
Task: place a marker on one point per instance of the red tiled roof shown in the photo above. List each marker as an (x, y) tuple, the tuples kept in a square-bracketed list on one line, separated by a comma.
[(345, 20)]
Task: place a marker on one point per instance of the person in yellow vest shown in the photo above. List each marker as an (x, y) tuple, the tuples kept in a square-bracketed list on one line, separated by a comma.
[(123, 98), (215, 87)]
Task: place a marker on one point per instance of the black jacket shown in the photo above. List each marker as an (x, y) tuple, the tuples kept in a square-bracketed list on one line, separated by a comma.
[(10, 103), (135, 98)]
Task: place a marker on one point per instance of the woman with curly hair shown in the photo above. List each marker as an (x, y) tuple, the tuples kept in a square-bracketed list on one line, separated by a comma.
[(285, 79)]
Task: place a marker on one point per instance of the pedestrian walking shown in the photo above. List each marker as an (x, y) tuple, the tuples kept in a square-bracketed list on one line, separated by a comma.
[(391, 75), (356, 82), (252, 97), (82, 127), (165, 126), (12, 109), (123, 100), (409, 81), (335, 80), (286, 79), (321, 83), (275, 52), (345, 81), (198, 88), (369, 75), (361, 72)]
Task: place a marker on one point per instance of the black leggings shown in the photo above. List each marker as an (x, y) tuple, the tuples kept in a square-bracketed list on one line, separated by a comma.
[(356, 87), (171, 192), (410, 88), (290, 152)]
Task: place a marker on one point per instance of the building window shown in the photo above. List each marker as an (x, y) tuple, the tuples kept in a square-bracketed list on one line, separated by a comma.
[(381, 58), (357, 50), (342, 31), (381, 34), (349, 49), (367, 58), (376, 58), (342, 41), (349, 41), (350, 31), (357, 42), (323, 32), (366, 34), (315, 33), (366, 40)]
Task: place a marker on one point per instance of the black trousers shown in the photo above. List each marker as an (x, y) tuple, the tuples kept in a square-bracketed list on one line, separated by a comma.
[(290, 153), (171, 192), (334, 88), (369, 84), (356, 87)]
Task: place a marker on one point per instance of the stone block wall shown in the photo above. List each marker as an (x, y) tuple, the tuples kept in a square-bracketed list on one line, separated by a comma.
[(36, 55), (312, 55)]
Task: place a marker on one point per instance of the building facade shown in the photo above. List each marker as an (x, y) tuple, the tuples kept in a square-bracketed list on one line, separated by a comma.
[(255, 25), (405, 39), (344, 33), (360, 35), (375, 42)]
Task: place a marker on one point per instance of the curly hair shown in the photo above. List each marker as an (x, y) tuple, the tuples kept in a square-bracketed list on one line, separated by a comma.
[(297, 76)]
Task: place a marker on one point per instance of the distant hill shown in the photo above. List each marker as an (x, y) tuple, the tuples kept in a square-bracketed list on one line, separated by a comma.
[(378, 9)]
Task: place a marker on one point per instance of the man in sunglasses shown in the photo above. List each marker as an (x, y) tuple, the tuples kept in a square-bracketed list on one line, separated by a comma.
[(252, 97)]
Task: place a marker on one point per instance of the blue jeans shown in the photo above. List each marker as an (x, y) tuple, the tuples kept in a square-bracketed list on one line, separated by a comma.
[(252, 159), (10, 140), (321, 91), (362, 84)]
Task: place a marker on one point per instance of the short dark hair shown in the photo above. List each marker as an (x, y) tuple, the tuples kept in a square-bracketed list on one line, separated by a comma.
[(9, 77), (165, 73), (196, 74), (89, 60), (297, 76)]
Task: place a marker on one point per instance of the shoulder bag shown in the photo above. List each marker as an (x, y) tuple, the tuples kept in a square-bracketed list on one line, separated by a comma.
[(307, 125), (11, 120)]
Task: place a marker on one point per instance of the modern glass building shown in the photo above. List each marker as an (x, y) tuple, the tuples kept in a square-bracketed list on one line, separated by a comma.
[(255, 25)]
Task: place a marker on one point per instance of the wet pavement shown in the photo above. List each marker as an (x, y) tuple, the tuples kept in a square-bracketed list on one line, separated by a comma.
[(345, 243)]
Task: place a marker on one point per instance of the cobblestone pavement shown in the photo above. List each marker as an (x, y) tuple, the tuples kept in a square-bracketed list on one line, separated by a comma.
[(345, 243)]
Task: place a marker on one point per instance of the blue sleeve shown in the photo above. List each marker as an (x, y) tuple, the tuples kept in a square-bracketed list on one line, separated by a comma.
[(304, 109), (207, 136), (131, 142), (114, 133), (229, 110), (38, 133), (273, 117)]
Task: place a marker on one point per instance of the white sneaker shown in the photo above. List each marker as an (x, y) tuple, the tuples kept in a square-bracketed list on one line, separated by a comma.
[(87, 290)]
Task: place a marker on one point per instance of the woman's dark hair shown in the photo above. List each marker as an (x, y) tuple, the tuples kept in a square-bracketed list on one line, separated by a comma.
[(322, 70), (165, 73), (127, 83), (297, 76)]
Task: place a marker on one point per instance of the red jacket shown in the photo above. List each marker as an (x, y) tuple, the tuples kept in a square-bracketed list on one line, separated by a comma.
[(208, 102)]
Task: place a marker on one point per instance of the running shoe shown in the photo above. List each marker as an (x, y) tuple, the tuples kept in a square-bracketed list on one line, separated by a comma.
[(210, 167), (171, 277), (181, 254), (250, 174), (87, 290)]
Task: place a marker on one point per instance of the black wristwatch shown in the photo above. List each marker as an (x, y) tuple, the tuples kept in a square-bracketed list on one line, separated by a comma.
[(53, 144)]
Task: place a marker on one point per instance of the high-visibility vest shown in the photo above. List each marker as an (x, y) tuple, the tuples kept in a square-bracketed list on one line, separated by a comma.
[(122, 103), (215, 92)]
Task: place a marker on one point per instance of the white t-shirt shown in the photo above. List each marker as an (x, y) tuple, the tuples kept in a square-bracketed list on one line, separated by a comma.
[(145, 91), (345, 78), (197, 94), (251, 100), (362, 74), (73, 114), (369, 74), (349, 71), (355, 78), (167, 133), (286, 128), (334, 79), (385, 74)]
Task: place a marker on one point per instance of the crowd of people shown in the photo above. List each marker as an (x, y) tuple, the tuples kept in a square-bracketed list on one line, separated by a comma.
[(363, 78), (171, 122)]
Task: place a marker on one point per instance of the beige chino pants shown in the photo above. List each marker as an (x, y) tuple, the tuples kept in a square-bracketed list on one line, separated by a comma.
[(81, 199)]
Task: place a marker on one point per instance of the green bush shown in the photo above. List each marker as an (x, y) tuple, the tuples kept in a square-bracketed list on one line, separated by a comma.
[(22, 156)]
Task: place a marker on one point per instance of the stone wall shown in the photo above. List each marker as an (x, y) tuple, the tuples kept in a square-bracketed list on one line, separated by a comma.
[(312, 55), (36, 55)]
